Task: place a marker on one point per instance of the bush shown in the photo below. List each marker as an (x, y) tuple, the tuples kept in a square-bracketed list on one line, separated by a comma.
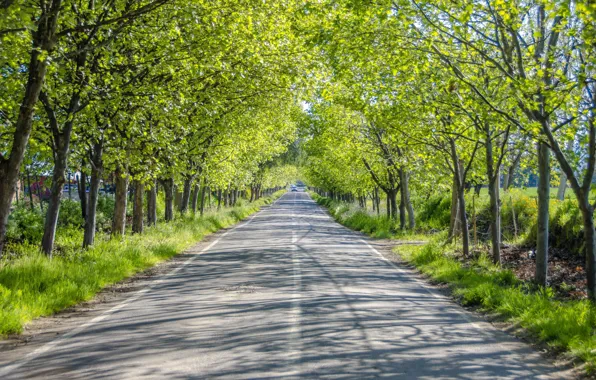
[(70, 214), (434, 213), (566, 226), (525, 210), (25, 225)]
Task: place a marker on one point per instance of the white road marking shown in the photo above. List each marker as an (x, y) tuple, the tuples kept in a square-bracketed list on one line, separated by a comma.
[(295, 332), (50, 345), (424, 286)]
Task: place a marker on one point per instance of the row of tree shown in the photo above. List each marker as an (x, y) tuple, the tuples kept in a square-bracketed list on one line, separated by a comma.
[(441, 94), (177, 93)]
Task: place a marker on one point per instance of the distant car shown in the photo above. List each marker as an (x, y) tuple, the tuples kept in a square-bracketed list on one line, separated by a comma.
[(293, 188)]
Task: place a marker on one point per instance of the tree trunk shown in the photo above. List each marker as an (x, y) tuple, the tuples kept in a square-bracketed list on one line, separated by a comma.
[(168, 186), (393, 203), (590, 239), (185, 195), (152, 205), (465, 230), (137, 212), (119, 221), (460, 181), (388, 204), (378, 201), (563, 182), (511, 172), (543, 211), (505, 181), (454, 221), (43, 44), (69, 186), (495, 218), (30, 190), (203, 192), (58, 180), (96, 172), (195, 198), (405, 189), (402, 210), (493, 192), (82, 188), (218, 199)]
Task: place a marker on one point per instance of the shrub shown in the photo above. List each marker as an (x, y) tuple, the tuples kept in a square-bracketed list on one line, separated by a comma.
[(70, 214), (525, 208), (434, 213), (25, 225)]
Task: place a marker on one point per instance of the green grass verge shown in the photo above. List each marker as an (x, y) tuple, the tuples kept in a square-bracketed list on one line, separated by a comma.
[(33, 285), (566, 326), (360, 220)]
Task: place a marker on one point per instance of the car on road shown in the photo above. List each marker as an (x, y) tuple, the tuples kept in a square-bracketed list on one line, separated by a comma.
[(293, 188)]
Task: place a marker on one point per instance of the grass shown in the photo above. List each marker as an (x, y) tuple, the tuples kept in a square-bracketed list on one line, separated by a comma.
[(361, 220), (31, 285), (566, 326)]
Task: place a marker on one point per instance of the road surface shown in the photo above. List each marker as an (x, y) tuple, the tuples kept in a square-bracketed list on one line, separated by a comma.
[(288, 293)]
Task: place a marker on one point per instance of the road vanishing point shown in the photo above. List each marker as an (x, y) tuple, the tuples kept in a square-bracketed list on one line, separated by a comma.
[(288, 293)]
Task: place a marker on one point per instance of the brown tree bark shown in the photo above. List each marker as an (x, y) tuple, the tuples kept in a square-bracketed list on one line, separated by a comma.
[(454, 221), (405, 191), (137, 212), (152, 204), (493, 192), (195, 198), (96, 173), (203, 192), (168, 186), (543, 214), (460, 180), (119, 221), (58, 181), (186, 190)]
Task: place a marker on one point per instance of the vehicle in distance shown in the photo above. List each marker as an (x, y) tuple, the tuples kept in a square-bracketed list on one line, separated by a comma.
[(293, 188)]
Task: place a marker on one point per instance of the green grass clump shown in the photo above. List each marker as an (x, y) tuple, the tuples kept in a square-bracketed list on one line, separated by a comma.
[(32, 285), (566, 326), (357, 218)]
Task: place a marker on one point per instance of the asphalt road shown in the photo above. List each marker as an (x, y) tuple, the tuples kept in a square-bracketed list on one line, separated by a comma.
[(288, 293)]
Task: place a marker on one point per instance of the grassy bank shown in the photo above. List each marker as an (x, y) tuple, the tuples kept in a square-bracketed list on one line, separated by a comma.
[(31, 285), (567, 326)]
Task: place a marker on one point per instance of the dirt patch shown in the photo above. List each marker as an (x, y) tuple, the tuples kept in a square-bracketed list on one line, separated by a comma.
[(566, 272)]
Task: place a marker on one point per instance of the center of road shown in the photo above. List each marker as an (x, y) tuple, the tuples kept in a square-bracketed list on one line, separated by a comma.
[(296, 331)]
